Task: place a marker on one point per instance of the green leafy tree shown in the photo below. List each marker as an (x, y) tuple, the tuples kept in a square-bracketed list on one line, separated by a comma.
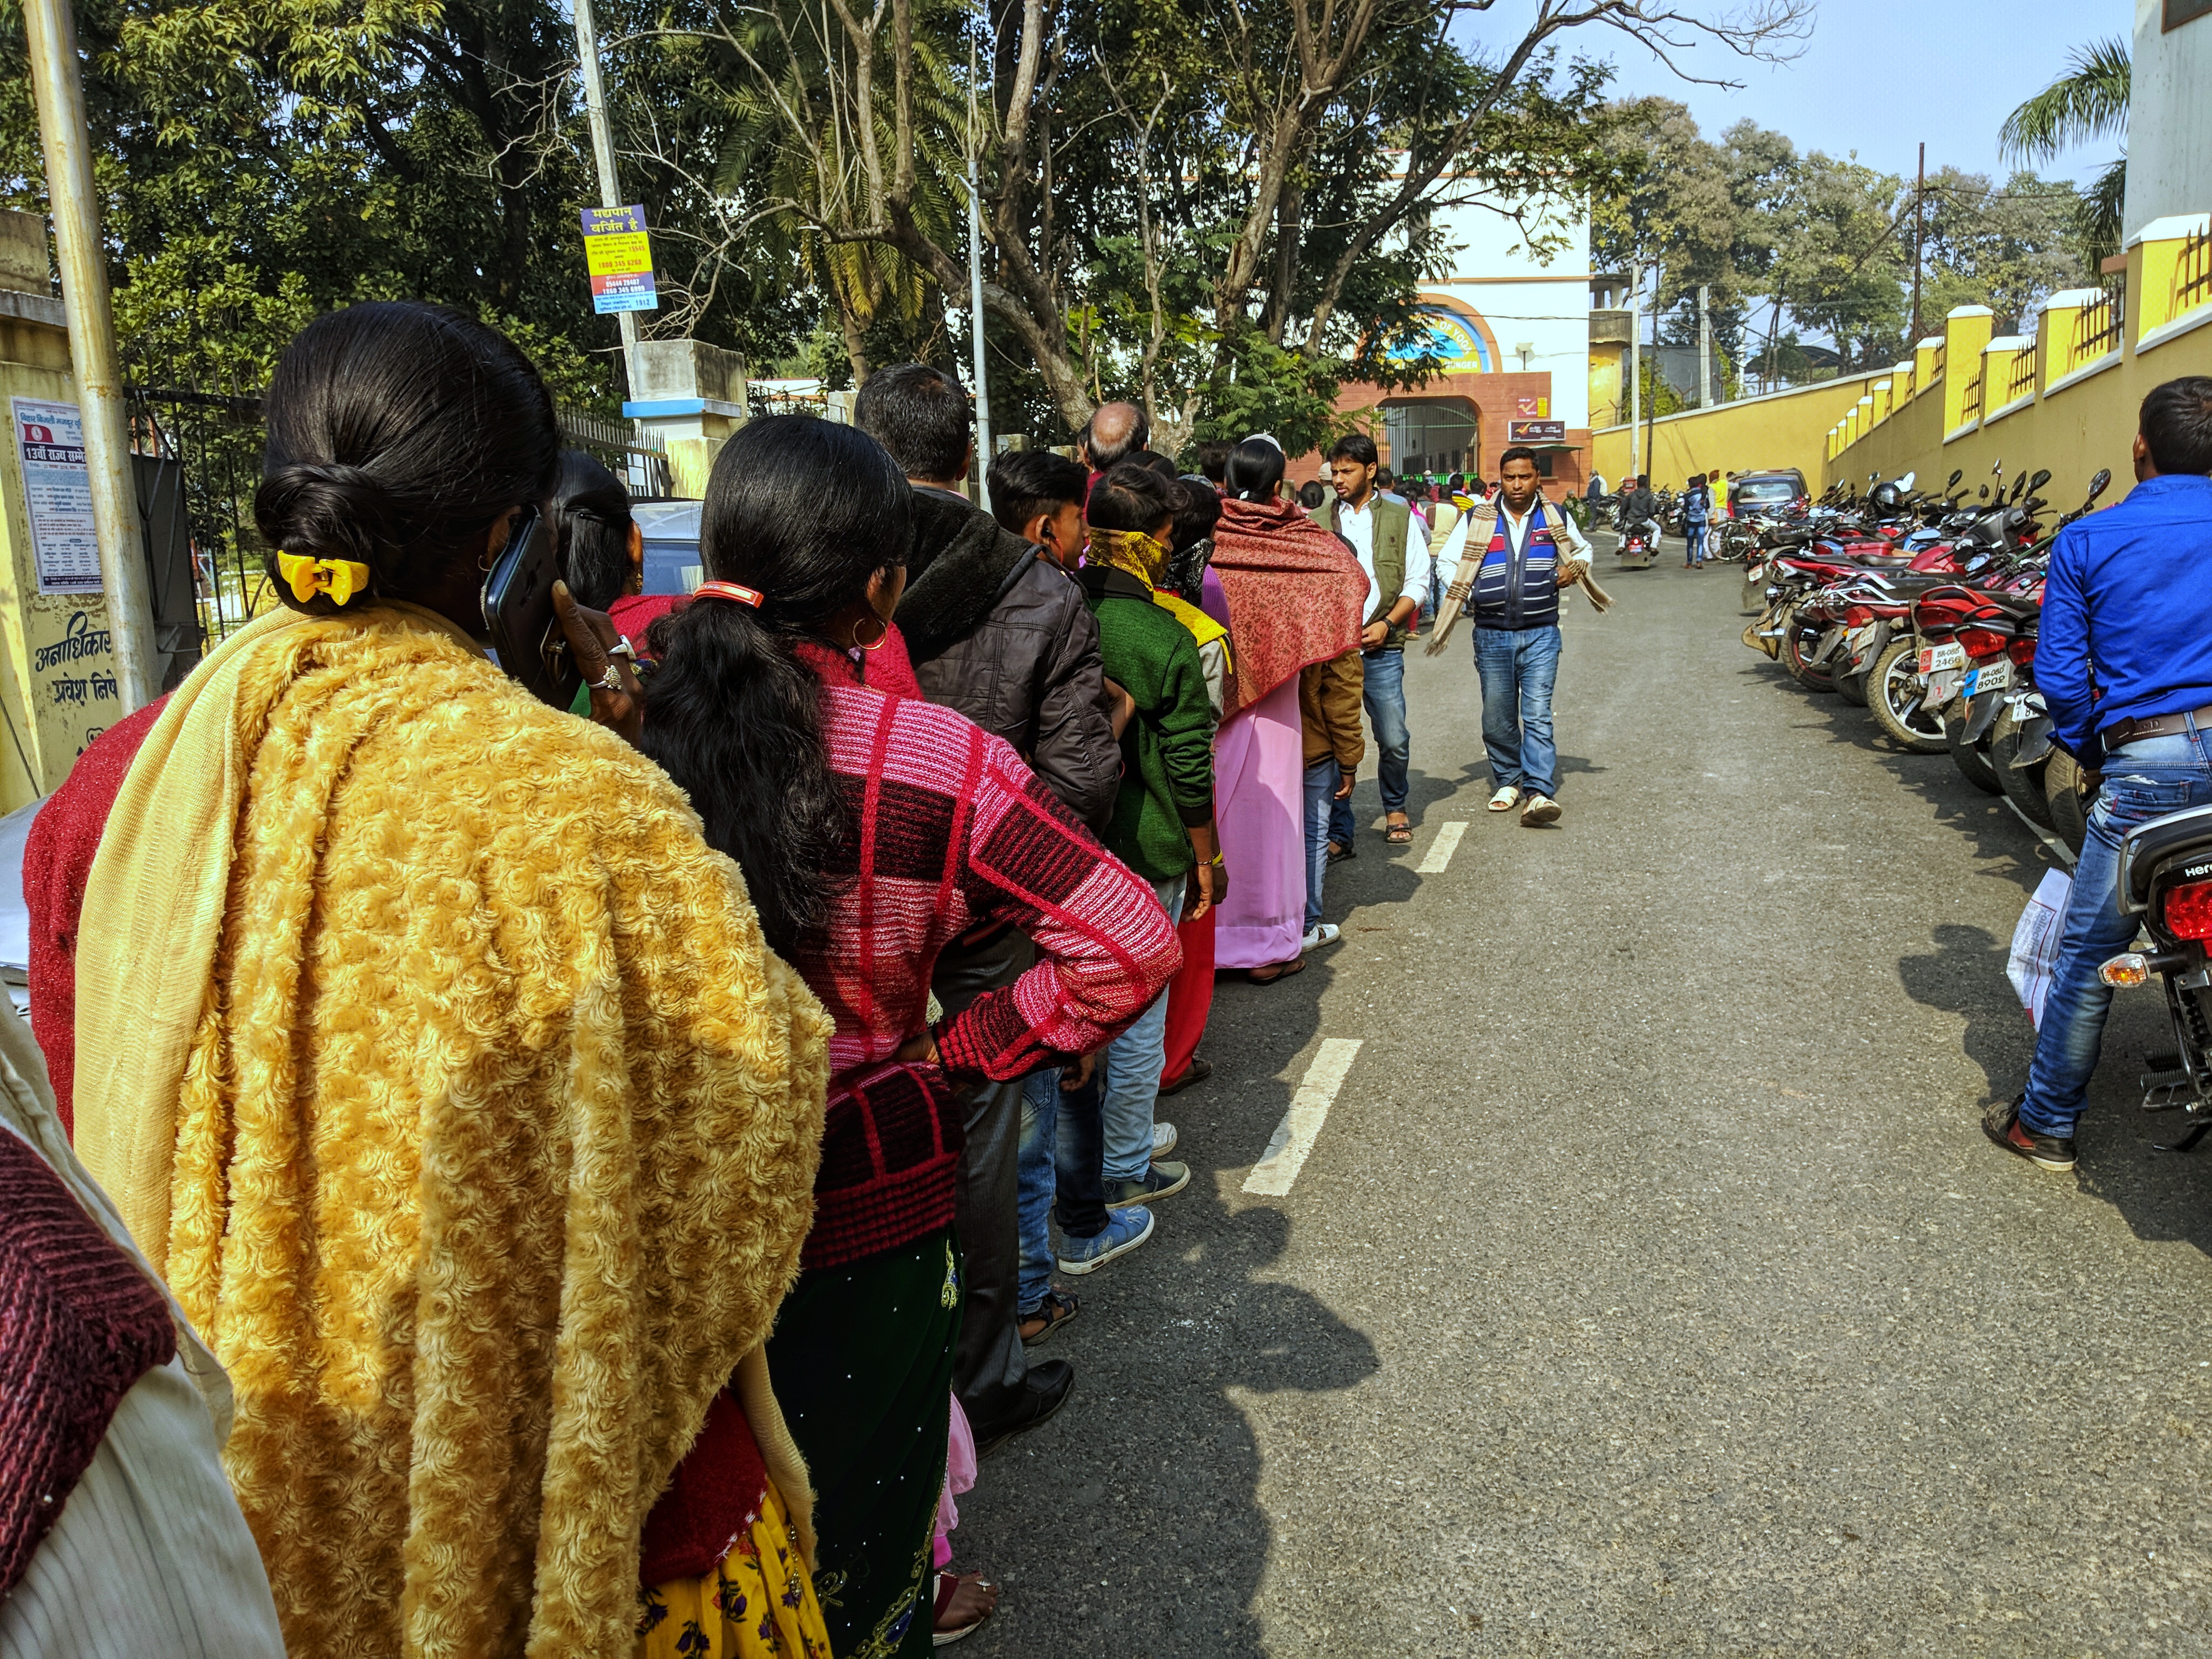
[(2086, 105)]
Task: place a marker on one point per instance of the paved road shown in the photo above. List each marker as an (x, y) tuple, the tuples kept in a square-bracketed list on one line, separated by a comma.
[(1650, 1288)]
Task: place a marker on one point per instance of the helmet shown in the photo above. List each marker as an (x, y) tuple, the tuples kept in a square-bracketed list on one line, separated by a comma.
[(1887, 499)]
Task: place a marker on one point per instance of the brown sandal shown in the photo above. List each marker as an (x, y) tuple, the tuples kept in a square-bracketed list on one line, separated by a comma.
[(1399, 835), (1051, 1314), (1274, 971)]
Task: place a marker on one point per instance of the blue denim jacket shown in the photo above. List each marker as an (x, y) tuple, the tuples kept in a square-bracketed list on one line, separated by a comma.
[(2127, 613)]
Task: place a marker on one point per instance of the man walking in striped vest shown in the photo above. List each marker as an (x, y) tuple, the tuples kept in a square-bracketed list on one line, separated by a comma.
[(1519, 551)]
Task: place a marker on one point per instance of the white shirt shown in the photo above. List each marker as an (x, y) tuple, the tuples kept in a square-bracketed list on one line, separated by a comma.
[(1357, 526), (1516, 529)]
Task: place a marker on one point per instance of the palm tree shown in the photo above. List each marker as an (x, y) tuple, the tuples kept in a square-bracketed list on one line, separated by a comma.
[(2088, 103)]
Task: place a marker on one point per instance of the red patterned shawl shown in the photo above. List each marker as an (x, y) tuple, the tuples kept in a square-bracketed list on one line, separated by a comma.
[(1295, 594)]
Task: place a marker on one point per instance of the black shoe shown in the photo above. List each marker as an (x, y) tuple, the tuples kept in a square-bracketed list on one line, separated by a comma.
[(1044, 1391), (2001, 1123)]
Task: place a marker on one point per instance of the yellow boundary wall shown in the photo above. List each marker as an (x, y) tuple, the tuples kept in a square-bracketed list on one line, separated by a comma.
[(1781, 429), (2065, 398)]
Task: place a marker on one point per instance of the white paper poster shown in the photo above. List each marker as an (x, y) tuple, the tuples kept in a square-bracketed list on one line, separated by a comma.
[(57, 492)]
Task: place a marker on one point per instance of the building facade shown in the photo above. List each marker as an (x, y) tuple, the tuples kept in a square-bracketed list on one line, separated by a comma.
[(1512, 332)]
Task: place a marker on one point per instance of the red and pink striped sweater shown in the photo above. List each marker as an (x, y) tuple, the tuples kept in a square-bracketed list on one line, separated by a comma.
[(952, 831)]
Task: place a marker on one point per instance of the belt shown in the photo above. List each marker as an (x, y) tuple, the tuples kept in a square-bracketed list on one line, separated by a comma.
[(2121, 733)]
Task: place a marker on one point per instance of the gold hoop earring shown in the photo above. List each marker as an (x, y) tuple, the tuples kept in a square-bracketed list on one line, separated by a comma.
[(882, 633)]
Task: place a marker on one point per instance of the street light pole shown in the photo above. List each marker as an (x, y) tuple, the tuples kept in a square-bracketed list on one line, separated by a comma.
[(603, 152), (50, 34), (975, 302)]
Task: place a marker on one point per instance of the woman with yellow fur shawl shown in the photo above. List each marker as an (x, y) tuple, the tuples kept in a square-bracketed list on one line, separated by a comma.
[(438, 1063)]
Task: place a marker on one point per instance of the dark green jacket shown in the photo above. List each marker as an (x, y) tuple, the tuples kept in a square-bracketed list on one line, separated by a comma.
[(1167, 752), (1394, 522)]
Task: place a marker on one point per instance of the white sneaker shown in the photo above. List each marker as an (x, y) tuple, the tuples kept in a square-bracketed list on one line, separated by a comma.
[(1163, 1140), (1541, 809), (1320, 933), (1506, 800)]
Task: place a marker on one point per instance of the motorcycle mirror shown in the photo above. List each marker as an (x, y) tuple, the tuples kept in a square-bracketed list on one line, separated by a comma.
[(1985, 492), (2042, 477), (1996, 468), (2101, 483), (1907, 482), (1957, 473), (2018, 485)]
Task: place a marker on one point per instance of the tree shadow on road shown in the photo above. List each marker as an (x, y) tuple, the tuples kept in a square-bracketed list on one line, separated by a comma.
[(2005, 848), (1132, 1523), (2161, 1195)]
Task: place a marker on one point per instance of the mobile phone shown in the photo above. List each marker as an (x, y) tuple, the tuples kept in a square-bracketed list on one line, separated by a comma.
[(518, 609)]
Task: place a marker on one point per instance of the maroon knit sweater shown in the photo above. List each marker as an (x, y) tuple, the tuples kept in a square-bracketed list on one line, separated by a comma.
[(79, 1324)]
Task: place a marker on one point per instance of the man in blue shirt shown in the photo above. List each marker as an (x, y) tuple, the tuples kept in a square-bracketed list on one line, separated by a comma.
[(2123, 660)]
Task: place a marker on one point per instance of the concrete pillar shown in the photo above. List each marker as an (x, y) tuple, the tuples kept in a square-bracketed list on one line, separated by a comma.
[(1965, 332), (1926, 363), (2151, 277), (692, 396), (2055, 329), (2001, 361)]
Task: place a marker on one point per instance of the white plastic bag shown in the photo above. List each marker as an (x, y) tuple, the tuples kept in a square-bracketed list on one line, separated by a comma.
[(2035, 942)]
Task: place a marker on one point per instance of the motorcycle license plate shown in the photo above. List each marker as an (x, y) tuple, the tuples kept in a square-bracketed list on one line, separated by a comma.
[(1859, 639), (1990, 677), (1942, 686), (1933, 657)]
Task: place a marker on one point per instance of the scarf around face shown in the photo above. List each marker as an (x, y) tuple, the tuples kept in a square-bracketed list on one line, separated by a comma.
[(1294, 593), (440, 1066)]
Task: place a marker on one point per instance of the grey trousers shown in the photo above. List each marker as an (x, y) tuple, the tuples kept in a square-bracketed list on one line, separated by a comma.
[(990, 1367)]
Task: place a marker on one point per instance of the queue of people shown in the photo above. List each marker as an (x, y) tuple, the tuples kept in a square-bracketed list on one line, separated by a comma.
[(594, 1179)]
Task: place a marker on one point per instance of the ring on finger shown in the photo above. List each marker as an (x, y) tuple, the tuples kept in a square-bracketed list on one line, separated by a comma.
[(610, 680)]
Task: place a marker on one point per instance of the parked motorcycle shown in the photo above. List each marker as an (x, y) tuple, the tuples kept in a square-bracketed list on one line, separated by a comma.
[(2165, 877)]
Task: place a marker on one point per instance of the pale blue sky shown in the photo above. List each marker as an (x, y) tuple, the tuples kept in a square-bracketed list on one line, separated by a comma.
[(1880, 75)]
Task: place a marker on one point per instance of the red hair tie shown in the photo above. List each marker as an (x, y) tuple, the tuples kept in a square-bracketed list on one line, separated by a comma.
[(730, 590)]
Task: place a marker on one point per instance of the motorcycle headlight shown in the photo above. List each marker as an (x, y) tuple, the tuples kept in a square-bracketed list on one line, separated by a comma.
[(1773, 592)]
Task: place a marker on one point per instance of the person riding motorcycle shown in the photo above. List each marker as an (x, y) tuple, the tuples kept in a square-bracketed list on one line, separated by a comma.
[(1639, 509)]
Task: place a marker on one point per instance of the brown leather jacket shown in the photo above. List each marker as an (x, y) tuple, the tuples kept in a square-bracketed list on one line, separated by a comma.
[(1003, 636)]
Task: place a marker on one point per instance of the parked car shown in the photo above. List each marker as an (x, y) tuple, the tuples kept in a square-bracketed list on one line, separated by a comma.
[(1766, 492)]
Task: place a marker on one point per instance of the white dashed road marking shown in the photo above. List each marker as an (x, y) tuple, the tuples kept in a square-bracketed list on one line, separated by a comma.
[(1294, 1135), (1441, 850)]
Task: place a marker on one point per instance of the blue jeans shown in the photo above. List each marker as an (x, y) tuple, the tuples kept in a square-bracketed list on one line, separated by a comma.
[(2142, 781), (1696, 552), (1322, 780), (1063, 1152), (1129, 1070), (1518, 667), (1383, 673)]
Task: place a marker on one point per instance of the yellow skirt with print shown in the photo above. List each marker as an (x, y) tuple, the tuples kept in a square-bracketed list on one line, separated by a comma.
[(759, 1601)]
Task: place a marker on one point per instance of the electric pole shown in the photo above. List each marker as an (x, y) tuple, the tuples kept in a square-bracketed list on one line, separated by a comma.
[(50, 35), (1705, 346), (1635, 367), (603, 152), (975, 301), (1919, 224)]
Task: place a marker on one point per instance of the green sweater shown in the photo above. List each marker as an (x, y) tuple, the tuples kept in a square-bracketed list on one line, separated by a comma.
[(1167, 752)]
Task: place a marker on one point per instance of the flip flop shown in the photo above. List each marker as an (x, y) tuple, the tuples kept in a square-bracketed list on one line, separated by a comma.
[(1197, 1072), (948, 1586), (1282, 970), (1399, 835)]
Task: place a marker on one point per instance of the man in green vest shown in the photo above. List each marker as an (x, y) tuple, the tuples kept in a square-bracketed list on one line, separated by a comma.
[(1377, 529)]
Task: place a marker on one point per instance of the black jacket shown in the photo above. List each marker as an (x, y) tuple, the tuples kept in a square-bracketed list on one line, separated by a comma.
[(1002, 635)]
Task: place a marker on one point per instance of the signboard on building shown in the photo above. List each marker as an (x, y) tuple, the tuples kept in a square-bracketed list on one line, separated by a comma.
[(620, 259), (1535, 432), (58, 494)]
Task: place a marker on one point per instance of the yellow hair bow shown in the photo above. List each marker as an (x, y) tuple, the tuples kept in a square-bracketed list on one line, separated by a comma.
[(307, 576)]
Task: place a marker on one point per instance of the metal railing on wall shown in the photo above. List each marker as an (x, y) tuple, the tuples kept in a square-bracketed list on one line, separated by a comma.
[(2192, 273), (2022, 382), (2099, 330), (1973, 394), (638, 461)]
